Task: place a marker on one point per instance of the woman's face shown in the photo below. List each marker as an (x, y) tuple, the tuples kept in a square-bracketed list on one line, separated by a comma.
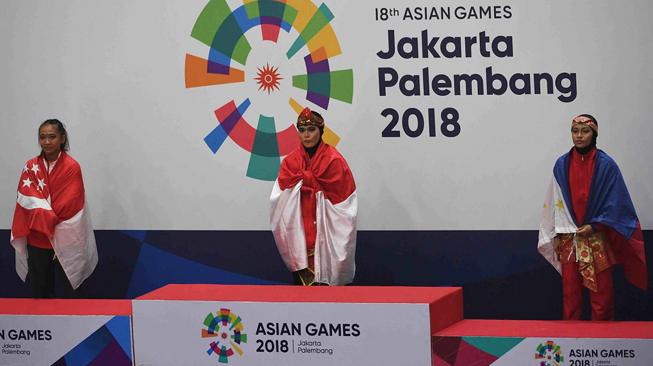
[(581, 135), (51, 140), (309, 136)]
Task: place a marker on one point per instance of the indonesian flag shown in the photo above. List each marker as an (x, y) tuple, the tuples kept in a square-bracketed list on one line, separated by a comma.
[(316, 198), (53, 205)]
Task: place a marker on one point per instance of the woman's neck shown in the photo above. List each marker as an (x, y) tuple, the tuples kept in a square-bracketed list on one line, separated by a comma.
[(311, 150), (585, 150), (52, 157)]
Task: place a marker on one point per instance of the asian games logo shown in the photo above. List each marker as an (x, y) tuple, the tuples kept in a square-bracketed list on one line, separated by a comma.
[(226, 328), (549, 354), (266, 60)]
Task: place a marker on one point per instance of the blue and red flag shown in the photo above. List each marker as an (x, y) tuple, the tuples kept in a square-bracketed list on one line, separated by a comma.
[(609, 204)]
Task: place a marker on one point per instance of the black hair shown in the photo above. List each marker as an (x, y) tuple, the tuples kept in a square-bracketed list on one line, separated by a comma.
[(65, 146)]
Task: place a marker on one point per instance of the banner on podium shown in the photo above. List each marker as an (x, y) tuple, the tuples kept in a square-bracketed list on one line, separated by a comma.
[(538, 351), (175, 332), (65, 340)]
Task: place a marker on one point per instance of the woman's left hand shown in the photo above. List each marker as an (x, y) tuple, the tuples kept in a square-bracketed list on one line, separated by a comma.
[(585, 230)]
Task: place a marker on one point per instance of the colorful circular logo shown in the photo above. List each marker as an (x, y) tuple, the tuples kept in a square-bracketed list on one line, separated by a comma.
[(267, 59), (226, 330), (549, 354)]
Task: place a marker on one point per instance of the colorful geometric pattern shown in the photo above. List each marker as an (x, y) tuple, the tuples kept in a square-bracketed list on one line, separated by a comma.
[(160, 262), (478, 351), (549, 354), (224, 32), (133, 263), (109, 345), (228, 328)]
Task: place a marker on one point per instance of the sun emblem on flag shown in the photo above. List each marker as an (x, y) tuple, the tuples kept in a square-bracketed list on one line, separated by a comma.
[(268, 78), (560, 205)]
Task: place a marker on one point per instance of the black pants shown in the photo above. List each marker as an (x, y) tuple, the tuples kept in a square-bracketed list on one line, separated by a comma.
[(297, 279), (43, 271)]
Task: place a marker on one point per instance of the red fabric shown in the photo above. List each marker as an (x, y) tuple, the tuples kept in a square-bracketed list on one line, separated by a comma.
[(602, 301), (630, 253), (64, 186), (572, 292), (327, 171), (581, 170), (39, 240)]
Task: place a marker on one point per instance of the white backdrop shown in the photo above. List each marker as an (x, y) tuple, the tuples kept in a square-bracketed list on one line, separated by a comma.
[(113, 71)]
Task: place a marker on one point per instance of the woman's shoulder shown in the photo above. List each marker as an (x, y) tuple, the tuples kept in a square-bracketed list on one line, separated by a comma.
[(333, 153), (33, 163), (69, 162), (293, 157), (33, 160), (604, 157), (333, 159), (561, 159)]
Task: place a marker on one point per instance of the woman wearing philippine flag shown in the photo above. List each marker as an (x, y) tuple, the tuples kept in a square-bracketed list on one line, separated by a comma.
[(589, 224), (51, 230), (313, 209)]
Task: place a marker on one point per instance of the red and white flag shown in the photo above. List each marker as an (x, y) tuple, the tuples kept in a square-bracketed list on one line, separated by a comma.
[(314, 200), (53, 204)]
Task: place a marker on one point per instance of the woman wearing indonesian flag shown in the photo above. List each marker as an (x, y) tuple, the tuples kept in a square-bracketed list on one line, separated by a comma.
[(51, 230), (313, 209), (589, 224)]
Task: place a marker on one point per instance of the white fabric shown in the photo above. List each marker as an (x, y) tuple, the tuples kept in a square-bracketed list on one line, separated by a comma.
[(335, 242), (556, 219), (20, 245), (287, 226), (31, 202), (74, 245)]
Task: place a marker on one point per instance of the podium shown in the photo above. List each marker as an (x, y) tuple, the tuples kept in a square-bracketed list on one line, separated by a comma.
[(533, 342), (65, 332), (291, 325)]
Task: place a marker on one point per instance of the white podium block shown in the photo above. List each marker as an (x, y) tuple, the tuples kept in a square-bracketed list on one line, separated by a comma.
[(290, 325)]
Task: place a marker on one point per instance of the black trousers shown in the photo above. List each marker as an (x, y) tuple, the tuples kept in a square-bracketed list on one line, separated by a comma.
[(44, 270), (297, 279)]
